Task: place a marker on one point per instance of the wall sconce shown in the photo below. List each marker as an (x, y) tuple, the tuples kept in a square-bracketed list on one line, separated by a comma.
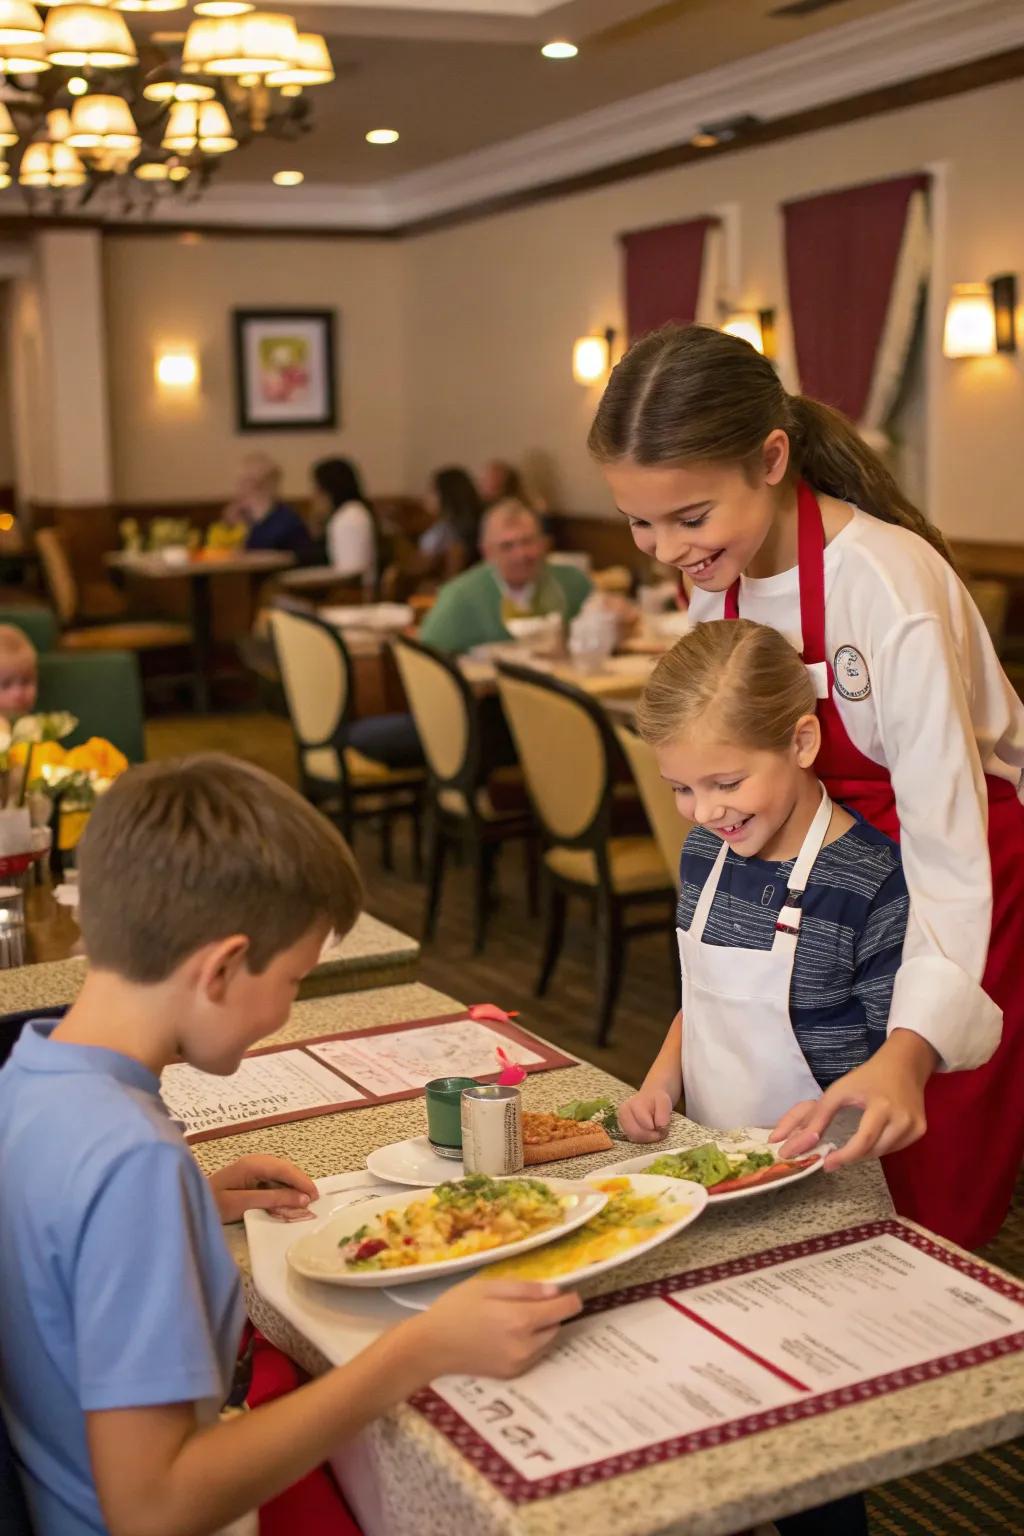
[(177, 369), (757, 326), (981, 318), (591, 357)]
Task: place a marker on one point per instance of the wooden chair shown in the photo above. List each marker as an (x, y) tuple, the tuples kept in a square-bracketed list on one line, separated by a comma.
[(569, 756), (463, 811), (316, 674), (992, 599), (123, 635)]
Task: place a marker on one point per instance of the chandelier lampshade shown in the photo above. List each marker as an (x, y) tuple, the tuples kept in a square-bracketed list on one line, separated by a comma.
[(103, 122), (20, 22), (258, 43), (88, 36), (312, 64)]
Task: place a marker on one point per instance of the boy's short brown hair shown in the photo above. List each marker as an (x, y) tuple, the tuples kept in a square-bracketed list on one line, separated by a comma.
[(179, 854)]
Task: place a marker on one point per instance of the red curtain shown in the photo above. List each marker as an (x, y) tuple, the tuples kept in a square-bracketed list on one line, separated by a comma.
[(842, 251), (663, 271)]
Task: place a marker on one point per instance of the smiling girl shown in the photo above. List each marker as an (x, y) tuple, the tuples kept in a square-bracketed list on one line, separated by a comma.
[(792, 913), (775, 509)]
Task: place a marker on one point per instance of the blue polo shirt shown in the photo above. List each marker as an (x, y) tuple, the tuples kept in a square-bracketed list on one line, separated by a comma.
[(117, 1287)]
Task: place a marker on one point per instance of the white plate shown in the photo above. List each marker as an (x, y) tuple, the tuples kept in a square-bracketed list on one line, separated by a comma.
[(316, 1254), (413, 1163), (688, 1199), (638, 1164)]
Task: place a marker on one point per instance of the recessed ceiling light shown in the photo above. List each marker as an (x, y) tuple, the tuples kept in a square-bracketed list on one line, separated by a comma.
[(382, 136), (77, 86), (288, 178), (704, 141), (560, 49)]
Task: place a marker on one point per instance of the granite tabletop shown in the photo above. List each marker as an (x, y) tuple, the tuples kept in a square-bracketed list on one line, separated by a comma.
[(425, 1488), (372, 955)]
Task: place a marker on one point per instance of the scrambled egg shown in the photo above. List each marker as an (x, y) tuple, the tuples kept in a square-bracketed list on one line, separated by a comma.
[(455, 1220), (626, 1220)]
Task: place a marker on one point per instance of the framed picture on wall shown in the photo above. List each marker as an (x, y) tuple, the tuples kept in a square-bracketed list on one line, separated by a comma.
[(285, 369)]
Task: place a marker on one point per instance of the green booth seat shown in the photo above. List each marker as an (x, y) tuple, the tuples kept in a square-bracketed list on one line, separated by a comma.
[(104, 690), (39, 624)]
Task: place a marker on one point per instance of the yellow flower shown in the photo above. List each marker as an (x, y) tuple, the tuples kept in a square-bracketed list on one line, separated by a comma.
[(43, 753), (99, 757), (72, 825)]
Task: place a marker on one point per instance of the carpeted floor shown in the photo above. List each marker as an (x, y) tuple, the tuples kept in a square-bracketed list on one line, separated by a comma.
[(978, 1496)]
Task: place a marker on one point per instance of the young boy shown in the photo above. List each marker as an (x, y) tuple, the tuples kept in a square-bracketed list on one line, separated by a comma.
[(18, 673), (207, 890)]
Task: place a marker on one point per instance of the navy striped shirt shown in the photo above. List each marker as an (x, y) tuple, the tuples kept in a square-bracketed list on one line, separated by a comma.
[(851, 935)]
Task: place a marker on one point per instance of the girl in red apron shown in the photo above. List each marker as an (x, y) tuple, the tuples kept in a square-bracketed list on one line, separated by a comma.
[(774, 509)]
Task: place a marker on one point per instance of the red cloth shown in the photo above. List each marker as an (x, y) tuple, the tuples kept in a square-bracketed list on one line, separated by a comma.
[(313, 1506), (936, 1181), (841, 255), (663, 271)]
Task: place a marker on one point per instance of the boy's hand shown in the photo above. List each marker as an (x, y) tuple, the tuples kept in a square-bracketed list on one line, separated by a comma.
[(646, 1115), (243, 1186), (492, 1327), (889, 1088)]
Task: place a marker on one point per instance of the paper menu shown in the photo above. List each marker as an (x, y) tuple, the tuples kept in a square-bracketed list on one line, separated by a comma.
[(398, 1061), (662, 1370), (279, 1084)]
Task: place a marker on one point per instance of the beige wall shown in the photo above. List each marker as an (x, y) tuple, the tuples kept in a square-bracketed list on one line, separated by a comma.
[(166, 292), (495, 306)]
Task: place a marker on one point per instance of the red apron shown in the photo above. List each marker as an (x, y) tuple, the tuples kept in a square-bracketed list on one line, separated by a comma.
[(958, 1179)]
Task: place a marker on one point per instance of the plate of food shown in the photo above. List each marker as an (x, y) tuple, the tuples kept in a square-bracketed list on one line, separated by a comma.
[(457, 1225), (641, 1212), (727, 1170)]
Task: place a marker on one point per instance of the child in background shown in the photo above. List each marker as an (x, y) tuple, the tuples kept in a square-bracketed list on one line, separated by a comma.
[(792, 914), (19, 669), (207, 890)]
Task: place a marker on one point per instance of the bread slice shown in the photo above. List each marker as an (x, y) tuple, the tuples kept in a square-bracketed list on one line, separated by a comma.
[(549, 1138)]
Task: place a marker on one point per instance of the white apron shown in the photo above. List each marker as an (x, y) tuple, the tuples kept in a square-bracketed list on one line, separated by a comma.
[(742, 1065)]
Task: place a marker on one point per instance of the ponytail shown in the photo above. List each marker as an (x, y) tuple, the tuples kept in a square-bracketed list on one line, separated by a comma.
[(690, 393), (835, 459)]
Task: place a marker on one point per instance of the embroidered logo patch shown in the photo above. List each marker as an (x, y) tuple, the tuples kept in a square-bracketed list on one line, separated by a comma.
[(851, 673)]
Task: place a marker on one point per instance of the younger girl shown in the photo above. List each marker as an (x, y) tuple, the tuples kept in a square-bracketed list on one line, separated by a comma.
[(792, 913)]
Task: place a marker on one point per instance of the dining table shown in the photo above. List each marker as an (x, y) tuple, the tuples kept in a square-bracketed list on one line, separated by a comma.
[(404, 1477), (371, 955), (608, 678), (200, 569)]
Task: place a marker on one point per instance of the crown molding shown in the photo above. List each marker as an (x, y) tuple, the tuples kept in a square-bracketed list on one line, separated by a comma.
[(896, 48)]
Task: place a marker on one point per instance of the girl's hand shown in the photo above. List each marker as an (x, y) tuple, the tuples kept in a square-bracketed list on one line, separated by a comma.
[(646, 1115), (889, 1088), (243, 1186)]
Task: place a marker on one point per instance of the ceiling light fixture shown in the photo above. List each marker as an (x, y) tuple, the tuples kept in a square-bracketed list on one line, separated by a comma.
[(258, 43), (170, 83), (82, 36), (201, 125), (23, 58), (77, 86), (20, 22), (382, 136), (560, 48), (51, 165), (288, 178), (8, 132), (311, 64), (103, 122), (223, 8)]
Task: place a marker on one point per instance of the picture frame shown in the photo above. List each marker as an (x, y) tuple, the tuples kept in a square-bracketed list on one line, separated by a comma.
[(285, 378)]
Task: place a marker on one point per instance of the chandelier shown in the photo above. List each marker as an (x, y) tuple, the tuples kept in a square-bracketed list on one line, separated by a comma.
[(86, 108)]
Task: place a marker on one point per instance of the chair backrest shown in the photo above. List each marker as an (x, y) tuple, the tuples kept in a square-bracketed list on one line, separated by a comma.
[(103, 689), (566, 751), (316, 675), (57, 572), (669, 828), (39, 624), (445, 713)]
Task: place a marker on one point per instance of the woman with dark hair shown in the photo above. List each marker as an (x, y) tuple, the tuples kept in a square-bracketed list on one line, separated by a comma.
[(340, 507), (451, 543)]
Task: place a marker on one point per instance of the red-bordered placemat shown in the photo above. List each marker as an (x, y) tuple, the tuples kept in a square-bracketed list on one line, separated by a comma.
[(550, 1059), (518, 1490)]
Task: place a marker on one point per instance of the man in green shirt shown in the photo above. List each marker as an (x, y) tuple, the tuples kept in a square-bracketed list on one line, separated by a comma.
[(514, 580)]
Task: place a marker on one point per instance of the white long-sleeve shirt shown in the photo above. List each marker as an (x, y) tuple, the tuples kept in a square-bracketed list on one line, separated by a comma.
[(920, 690), (351, 547)]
